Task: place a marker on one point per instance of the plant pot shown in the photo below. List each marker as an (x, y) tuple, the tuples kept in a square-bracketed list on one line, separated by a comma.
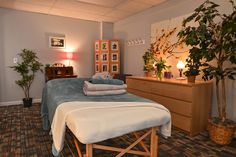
[(221, 134), (27, 102), (148, 73), (191, 79)]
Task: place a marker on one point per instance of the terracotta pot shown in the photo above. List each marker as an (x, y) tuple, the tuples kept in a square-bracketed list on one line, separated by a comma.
[(221, 134), (191, 79), (148, 74)]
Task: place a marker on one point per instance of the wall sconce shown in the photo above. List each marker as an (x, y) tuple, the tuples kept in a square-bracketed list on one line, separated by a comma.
[(180, 66)]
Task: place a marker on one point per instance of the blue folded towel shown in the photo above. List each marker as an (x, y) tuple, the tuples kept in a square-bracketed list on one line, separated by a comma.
[(107, 81)]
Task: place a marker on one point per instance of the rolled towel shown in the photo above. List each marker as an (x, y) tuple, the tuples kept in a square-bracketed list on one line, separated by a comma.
[(106, 92), (107, 81), (101, 87)]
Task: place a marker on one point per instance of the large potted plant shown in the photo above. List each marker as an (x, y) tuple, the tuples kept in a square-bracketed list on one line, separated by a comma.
[(27, 68), (213, 39)]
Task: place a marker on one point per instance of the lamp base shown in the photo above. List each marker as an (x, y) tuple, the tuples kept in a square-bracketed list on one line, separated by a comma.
[(180, 78)]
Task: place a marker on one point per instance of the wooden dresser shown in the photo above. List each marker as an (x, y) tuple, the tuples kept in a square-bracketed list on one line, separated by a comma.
[(189, 103), (58, 72)]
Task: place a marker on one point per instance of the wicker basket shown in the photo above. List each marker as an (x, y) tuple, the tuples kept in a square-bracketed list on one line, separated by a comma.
[(220, 134)]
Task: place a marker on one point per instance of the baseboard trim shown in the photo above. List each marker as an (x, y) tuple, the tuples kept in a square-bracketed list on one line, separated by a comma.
[(9, 103)]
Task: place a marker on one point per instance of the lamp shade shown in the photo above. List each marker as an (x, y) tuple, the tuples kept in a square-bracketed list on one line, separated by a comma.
[(69, 55), (180, 64)]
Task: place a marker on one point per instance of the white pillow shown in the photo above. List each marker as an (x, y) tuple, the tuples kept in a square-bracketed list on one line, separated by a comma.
[(102, 75)]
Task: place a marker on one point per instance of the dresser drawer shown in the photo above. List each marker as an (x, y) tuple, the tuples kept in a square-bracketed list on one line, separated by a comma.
[(165, 89), (181, 122), (138, 84), (177, 106)]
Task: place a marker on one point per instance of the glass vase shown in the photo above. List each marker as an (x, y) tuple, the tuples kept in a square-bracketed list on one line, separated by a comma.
[(159, 75)]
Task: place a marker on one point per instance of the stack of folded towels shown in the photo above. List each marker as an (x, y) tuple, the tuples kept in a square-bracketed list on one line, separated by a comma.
[(103, 84)]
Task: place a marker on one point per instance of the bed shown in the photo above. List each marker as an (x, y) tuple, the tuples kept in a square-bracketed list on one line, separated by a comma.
[(92, 119)]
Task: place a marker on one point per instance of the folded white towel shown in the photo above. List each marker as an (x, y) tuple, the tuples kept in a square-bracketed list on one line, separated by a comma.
[(102, 87), (104, 92)]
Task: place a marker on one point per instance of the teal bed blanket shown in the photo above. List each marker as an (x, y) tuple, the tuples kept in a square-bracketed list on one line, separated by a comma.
[(58, 91)]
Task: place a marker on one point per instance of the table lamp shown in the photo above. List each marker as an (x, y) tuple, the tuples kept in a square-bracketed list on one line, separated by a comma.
[(69, 56), (180, 66)]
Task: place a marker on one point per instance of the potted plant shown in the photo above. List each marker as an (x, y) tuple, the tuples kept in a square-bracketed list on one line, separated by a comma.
[(214, 40), (148, 59), (192, 69), (27, 69)]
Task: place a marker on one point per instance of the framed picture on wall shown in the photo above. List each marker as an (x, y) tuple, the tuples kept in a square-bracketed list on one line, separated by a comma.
[(114, 57), (97, 68), (96, 57), (104, 46), (105, 67), (97, 46), (104, 57), (57, 42), (114, 68), (114, 45)]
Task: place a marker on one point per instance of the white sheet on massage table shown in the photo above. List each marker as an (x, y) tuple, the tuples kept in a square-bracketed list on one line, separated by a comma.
[(93, 122)]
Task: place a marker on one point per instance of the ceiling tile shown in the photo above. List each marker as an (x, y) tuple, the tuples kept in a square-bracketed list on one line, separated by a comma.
[(133, 6), (24, 6), (118, 13), (39, 2), (106, 19), (79, 6), (106, 3), (151, 2), (72, 13)]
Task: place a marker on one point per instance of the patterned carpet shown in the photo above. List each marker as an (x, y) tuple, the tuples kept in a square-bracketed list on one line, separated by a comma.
[(21, 135)]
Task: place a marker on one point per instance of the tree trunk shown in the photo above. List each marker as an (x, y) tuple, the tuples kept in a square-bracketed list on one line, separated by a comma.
[(218, 99), (223, 97)]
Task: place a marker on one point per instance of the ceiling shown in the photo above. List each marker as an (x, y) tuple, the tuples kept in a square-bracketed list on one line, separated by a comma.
[(95, 10)]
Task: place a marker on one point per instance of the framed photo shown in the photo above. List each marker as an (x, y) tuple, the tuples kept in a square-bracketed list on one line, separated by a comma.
[(114, 68), (114, 45), (114, 57), (104, 46), (97, 47), (97, 68), (96, 57), (57, 42), (105, 68), (104, 57)]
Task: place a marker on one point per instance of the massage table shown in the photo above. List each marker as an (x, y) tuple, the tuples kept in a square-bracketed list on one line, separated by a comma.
[(93, 119)]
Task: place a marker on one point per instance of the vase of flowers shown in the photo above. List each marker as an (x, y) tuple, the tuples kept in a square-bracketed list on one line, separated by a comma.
[(160, 65)]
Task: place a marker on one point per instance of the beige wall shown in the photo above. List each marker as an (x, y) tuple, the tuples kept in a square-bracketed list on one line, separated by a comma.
[(139, 26), (19, 30)]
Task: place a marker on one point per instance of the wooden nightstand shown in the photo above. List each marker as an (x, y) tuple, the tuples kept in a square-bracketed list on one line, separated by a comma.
[(58, 72)]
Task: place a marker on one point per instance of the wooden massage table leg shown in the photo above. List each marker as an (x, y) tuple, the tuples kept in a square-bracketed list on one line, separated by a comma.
[(153, 146), (89, 150), (77, 147), (154, 143)]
